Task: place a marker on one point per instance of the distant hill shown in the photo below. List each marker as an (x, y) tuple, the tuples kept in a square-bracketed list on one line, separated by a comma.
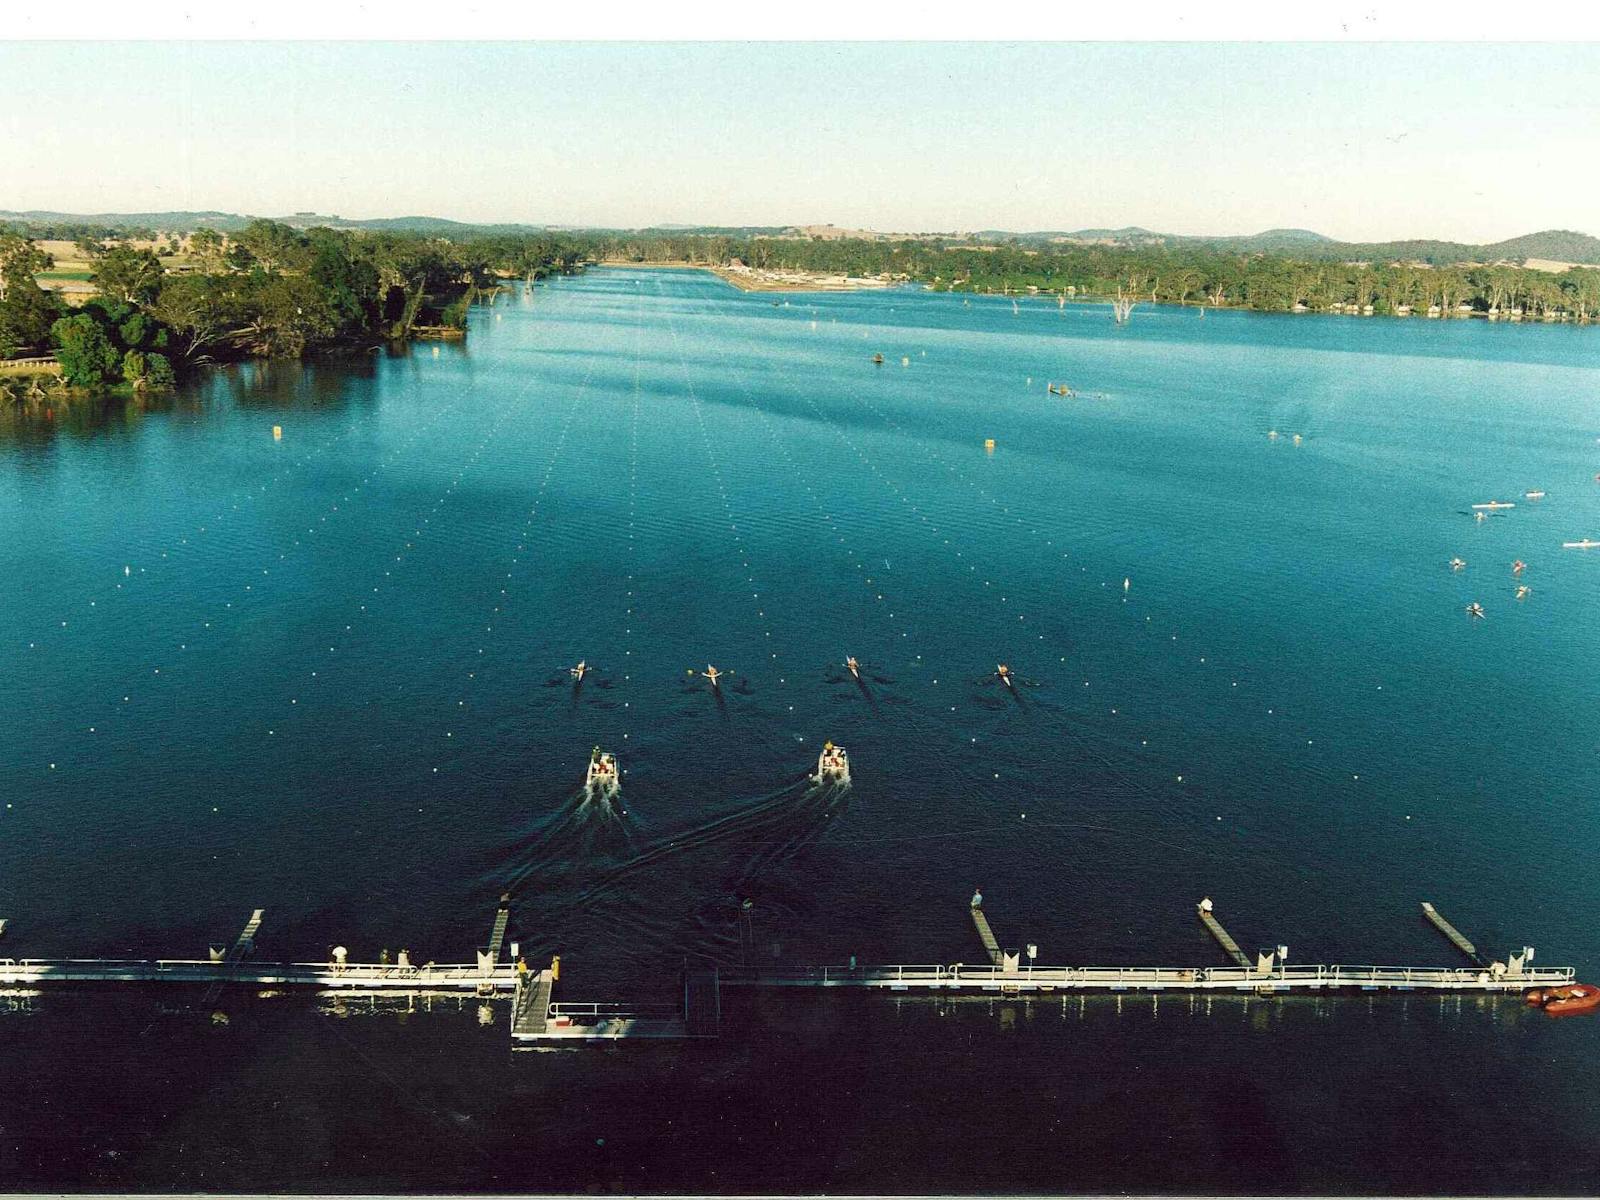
[(1555, 245), (1565, 245)]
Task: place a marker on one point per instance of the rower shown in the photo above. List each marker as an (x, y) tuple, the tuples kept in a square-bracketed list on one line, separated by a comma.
[(1518, 567), (712, 674), (579, 671), (1004, 672), (1457, 563), (855, 667)]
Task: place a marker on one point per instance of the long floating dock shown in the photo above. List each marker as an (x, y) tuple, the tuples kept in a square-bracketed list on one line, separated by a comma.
[(448, 977)]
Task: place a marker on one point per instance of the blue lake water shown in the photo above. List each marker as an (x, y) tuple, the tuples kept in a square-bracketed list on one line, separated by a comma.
[(326, 675)]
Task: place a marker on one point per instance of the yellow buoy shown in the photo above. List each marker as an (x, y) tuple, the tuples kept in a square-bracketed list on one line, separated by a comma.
[(277, 433)]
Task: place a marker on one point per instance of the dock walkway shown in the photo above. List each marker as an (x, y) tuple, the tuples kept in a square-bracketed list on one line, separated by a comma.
[(1452, 933), (991, 946), (449, 977), (1229, 946)]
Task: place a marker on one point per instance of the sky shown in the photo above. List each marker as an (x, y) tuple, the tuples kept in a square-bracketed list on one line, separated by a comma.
[(1359, 141)]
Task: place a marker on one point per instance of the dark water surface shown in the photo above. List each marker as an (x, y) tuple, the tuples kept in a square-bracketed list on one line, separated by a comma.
[(326, 676)]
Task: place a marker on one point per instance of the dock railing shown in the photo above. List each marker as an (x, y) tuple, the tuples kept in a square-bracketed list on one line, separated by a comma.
[(326, 975), (960, 976)]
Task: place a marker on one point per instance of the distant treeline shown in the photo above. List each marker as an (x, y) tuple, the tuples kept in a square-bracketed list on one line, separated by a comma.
[(269, 290), (1159, 274)]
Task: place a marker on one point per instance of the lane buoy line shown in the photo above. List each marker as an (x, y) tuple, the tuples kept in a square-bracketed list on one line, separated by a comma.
[(207, 632), (770, 427), (905, 715), (433, 527), (177, 552), (741, 550), (206, 627), (518, 562)]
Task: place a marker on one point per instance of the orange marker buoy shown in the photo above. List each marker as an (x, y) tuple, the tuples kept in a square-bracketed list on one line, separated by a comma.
[(277, 433)]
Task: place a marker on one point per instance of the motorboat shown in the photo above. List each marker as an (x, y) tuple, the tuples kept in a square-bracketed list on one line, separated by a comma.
[(1567, 1000), (833, 765), (603, 778)]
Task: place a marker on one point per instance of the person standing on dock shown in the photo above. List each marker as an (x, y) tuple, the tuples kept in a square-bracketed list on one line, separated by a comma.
[(977, 898)]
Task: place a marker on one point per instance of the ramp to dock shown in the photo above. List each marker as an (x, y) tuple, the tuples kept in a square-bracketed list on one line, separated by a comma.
[(991, 947), (1453, 934), (243, 944), (1229, 946), (531, 1012)]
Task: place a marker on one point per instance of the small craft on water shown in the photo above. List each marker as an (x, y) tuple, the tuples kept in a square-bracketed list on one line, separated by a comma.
[(1004, 673), (1059, 389), (1518, 567), (1536, 495), (579, 671), (878, 358), (855, 667), (1585, 544), (603, 779), (1273, 434), (1475, 610), (1457, 563), (833, 765), (713, 675), (1522, 592), (1492, 505), (1297, 439), (1565, 1001)]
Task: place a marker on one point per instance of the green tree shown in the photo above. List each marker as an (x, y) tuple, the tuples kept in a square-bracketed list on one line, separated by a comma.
[(26, 313), (88, 359), (132, 276), (146, 371)]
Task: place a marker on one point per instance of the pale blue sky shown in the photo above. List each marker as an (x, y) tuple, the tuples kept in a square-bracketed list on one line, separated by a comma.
[(1358, 141)]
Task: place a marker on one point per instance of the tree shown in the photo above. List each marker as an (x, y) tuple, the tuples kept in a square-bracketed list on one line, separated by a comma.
[(202, 310), (20, 260), (88, 359), (26, 313), (206, 248), (132, 276), (273, 245), (146, 371)]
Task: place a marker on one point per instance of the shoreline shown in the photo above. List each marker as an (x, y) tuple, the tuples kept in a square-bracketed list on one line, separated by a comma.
[(751, 279)]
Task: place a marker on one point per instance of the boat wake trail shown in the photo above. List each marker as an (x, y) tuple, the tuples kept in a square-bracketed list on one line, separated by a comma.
[(585, 880)]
